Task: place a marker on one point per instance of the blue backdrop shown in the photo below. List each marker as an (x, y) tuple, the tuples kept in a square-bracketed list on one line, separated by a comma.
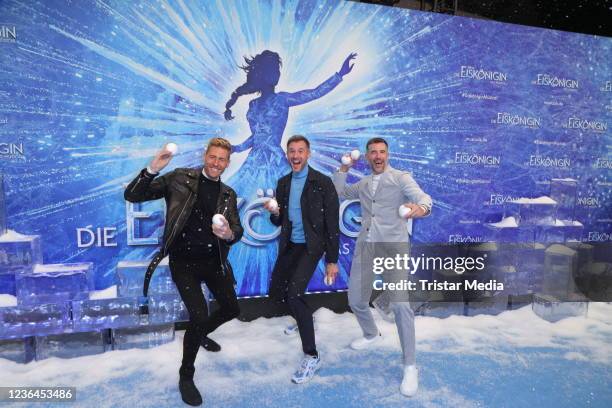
[(480, 112)]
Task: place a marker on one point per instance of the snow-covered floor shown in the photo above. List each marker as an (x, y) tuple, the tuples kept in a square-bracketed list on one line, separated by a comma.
[(514, 359)]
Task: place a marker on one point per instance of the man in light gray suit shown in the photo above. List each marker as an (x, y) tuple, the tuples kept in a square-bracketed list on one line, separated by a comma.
[(383, 233)]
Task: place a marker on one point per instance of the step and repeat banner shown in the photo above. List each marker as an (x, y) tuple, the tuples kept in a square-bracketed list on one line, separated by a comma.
[(503, 125)]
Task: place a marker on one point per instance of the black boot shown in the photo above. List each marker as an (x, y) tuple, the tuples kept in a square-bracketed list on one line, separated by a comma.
[(189, 392), (209, 344)]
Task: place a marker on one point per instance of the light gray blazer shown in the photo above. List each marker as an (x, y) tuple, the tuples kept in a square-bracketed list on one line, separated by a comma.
[(380, 212)]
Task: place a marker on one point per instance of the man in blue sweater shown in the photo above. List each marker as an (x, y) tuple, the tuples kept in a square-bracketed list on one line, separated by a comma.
[(307, 213)]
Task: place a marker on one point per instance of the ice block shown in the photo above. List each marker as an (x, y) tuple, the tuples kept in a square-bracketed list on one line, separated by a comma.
[(18, 255), (552, 309), (529, 265), (491, 306), (560, 267), (55, 283), (142, 336), (530, 211), (17, 350), (493, 254), (105, 313), (29, 320), (131, 278), (439, 306), (7, 281), (170, 307), (559, 231), (71, 345), (508, 230), (563, 191), (166, 309), (519, 301)]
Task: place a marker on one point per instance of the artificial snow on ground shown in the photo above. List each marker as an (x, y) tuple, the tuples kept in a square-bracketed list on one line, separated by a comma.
[(514, 359)]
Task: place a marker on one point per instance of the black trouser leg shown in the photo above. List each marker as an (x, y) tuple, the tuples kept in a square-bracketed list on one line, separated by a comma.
[(292, 272), (188, 277), (222, 288)]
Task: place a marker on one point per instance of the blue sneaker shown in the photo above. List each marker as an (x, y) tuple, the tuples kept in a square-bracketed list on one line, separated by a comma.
[(293, 329), (307, 370)]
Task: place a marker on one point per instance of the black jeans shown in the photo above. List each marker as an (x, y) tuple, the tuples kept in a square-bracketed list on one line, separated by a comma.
[(188, 277), (290, 277)]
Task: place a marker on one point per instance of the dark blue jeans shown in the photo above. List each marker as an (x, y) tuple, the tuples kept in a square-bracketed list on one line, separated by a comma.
[(292, 272)]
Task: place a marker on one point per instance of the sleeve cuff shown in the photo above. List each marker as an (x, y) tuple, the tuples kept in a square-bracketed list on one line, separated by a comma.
[(150, 171)]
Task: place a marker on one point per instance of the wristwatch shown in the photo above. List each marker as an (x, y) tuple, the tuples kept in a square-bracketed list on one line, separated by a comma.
[(427, 210)]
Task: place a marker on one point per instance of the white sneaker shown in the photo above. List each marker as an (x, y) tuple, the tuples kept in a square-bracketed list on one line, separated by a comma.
[(308, 368), (362, 343), (410, 382)]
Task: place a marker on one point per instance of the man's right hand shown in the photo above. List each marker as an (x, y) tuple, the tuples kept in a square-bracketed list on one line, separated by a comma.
[(161, 160), (274, 211), (345, 167)]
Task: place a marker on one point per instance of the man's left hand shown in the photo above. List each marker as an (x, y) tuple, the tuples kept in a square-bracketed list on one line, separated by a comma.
[(416, 211), (223, 231)]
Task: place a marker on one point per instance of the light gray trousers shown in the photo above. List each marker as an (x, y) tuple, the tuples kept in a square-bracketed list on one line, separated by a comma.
[(360, 290)]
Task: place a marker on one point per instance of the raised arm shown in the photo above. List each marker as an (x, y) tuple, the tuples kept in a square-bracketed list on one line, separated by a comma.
[(307, 95), (145, 187), (345, 191)]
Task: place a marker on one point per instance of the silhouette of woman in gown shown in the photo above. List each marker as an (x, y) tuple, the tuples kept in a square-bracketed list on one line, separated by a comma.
[(266, 162)]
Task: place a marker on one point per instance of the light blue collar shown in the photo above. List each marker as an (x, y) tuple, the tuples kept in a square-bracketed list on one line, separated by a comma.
[(300, 174)]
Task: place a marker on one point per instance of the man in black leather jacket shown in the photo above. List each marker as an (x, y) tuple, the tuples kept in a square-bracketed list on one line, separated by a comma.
[(308, 215), (197, 247)]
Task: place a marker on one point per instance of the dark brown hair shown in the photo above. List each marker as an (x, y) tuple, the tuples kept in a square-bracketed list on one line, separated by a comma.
[(298, 138), (376, 140)]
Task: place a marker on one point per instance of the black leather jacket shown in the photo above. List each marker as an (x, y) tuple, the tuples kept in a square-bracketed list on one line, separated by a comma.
[(320, 212), (179, 188)]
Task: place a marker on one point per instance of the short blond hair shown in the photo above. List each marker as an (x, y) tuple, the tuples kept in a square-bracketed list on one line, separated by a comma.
[(220, 142)]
